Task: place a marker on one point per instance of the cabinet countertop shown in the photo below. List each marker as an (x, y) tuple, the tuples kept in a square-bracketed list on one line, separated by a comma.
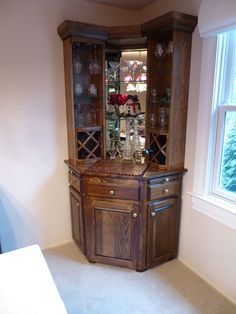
[(151, 172)]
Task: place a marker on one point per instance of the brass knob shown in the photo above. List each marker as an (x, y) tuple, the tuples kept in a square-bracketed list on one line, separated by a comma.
[(71, 172), (71, 182), (112, 192), (167, 179), (135, 214), (153, 214), (166, 191), (78, 204)]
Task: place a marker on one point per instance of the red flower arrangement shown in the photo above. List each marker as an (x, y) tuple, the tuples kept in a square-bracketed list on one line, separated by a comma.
[(117, 99), (124, 105)]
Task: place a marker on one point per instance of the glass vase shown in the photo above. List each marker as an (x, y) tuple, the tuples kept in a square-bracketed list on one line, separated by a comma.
[(127, 148)]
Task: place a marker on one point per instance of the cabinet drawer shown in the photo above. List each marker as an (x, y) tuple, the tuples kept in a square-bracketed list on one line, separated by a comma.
[(113, 192), (74, 181), (163, 187)]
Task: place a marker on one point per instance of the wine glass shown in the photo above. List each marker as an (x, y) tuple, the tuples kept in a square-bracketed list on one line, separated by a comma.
[(153, 122), (154, 94), (96, 63), (91, 62), (77, 63), (160, 51), (79, 115), (163, 118), (170, 48), (94, 111)]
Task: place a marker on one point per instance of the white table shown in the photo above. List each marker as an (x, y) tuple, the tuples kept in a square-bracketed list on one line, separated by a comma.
[(26, 284)]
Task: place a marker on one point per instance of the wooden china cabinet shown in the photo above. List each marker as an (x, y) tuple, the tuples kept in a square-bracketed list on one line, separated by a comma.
[(126, 213)]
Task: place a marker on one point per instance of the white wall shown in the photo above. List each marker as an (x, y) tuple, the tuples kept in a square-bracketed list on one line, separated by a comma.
[(34, 204), (164, 6), (207, 246)]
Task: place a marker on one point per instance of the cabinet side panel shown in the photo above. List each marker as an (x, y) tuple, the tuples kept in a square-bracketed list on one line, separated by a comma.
[(179, 99), (69, 97)]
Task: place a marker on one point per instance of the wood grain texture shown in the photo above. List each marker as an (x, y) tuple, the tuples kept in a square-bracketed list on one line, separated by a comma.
[(112, 231), (77, 219), (67, 44), (161, 231), (118, 219), (170, 21)]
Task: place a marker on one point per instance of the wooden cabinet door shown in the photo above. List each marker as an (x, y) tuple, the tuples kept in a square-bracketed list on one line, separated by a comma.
[(162, 224), (113, 233), (77, 219)]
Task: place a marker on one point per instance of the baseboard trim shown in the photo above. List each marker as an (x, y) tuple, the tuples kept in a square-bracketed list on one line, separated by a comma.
[(57, 244), (207, 281)]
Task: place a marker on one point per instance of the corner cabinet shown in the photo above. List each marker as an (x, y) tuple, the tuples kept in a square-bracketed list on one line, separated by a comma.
[(123, 213)]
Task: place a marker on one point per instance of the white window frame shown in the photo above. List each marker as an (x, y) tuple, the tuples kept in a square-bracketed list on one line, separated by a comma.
[(222, 103), (215, 189), (217, 208)]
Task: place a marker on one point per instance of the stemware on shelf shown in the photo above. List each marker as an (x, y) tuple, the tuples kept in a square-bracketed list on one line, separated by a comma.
[(152, 122), (170, 48), (94, 111), (79, 115), (78, 89), (163, 118), (154, 94), (92, 90), (77, 63), (94, 63), (160, 51)]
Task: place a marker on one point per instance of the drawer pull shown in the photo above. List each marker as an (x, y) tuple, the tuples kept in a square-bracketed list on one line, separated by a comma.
[(71, 172), (112, 192), (167, 179), (135, 215), (159, 209), (71, 182), (166, 191), (78, 204)]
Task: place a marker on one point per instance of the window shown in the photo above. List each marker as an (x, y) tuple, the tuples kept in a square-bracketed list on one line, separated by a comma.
[(223, 172)]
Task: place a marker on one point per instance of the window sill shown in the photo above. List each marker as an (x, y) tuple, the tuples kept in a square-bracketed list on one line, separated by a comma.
[(215, 208)]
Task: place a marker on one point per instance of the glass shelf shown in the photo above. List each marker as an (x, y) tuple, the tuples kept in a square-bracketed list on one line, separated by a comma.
[(87, 96), (127, 82), (158, 131), (88, 128)]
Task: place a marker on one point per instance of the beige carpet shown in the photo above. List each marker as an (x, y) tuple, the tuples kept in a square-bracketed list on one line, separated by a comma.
[(99, 289)]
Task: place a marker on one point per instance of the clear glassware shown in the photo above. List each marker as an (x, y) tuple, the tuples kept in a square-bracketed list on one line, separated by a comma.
[(136, 145), (113, 149), (77, 64), (160, 51), (96, 63), (170, 48), (91, 62), (127, 148), (94, 111), (152, 122), (78, 89), (79, 115), (163, 118), (154, 94)]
